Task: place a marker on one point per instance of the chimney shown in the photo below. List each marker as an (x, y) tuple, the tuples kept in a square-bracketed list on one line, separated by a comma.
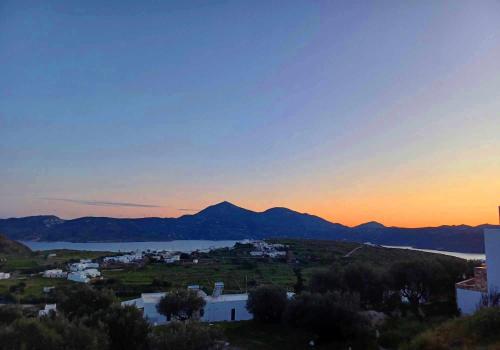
[(219, 287)]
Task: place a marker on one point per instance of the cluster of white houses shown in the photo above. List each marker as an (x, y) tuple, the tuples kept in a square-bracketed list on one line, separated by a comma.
[(83, 272), (486, 281), (4, 275), (123, 259), (271, 250)]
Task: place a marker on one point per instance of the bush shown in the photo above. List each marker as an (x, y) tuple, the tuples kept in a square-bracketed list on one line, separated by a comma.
[(79, 300), (125, 327), (189, 335), (50, 334), (327, 281), (367, 282), (330, 316), (267, 303), (8, 314), (485, 322)]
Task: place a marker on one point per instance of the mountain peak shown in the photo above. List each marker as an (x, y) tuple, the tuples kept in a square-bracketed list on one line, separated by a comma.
[(370, 225), (223, 208)]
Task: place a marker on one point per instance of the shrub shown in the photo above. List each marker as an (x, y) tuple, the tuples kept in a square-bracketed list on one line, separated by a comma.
[(485, 322), (79, 300), (8, 314), (267, 303), (327, 281), (189, 335), (331, 316)]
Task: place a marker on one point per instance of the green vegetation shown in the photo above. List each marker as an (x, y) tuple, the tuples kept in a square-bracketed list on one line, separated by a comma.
[(478, 331), (337, 282)]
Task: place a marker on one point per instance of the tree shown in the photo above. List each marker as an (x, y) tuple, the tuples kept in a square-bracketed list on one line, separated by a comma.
[(126, 327), (50, 334), (181, 304), (366, 281), (79, 300), (75, 335), (267, 303), (190, 335), (298, 287), (327, 281), (330, 316), (29, 334), (416, 281), (9, 313)]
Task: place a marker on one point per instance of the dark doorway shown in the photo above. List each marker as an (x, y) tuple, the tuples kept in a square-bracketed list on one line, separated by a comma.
[(233, 314)]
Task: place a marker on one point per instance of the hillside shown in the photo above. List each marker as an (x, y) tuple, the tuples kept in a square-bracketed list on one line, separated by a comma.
[(10, 247), (228, 221)]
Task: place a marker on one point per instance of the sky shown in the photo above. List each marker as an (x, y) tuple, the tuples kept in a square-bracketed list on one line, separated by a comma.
[(350, 110)]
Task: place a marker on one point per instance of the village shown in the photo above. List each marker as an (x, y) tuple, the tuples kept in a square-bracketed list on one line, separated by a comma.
[(220, 307)]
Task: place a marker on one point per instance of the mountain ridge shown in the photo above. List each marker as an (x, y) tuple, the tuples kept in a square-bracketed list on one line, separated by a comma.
[(225, 220)]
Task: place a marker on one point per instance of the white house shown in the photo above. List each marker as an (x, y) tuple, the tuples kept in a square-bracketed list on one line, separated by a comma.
[(55, 273), (83, 265), (48, 289), (46, 311), (123, 259), (486, 279), (83, 276), (78, 276), (218, 306), (172, 259), (4, 275)]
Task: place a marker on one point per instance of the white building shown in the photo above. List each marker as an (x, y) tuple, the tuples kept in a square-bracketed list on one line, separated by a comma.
[(83, 265), (268, 249), (486, 279), (172, 259), (4, 275), (55, 273), (48, 289), (123, 259), (47, 310), (218, 306), (83, 276)]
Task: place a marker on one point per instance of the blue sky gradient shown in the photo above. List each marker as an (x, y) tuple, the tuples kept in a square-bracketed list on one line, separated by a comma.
[(352, 110)]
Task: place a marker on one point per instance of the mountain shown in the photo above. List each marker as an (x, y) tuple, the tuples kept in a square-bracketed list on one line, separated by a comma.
[(10, 247), (372, 225), (228, 221)]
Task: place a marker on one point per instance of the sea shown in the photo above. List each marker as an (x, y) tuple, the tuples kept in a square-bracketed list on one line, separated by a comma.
[(187, 246), (466, 256)]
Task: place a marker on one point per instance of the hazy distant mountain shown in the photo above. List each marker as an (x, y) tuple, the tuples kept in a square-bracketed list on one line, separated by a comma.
[(228, 221)]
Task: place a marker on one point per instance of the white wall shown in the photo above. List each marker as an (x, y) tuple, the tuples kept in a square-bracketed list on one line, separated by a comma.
[(468, 300), (212, 312), (221, 311), (151, 313), (492, 250)]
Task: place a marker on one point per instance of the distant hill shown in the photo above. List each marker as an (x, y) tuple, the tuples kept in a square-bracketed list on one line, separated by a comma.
[(228, 221), (372, 225), (10, 247)]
